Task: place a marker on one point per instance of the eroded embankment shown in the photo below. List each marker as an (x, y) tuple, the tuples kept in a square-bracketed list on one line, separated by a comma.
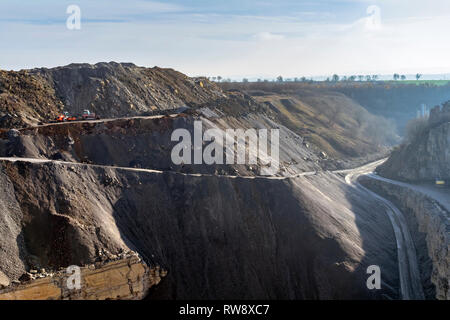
[(430, 229), (217, 237)]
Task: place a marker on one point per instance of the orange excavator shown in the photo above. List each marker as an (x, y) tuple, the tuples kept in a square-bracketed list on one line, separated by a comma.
[(60, 118), (65, 116), (87, 115)]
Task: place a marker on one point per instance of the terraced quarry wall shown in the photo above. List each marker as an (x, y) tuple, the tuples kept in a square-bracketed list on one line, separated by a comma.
[(217, 237), (430, 227), (396, 101)]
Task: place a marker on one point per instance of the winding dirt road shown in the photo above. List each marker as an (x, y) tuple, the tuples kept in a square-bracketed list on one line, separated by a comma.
[(410, 283), (439, 194)]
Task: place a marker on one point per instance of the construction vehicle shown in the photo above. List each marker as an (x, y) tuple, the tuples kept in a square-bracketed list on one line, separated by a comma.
[(60, 118), (88, 115), (65, 116), (71, 118)]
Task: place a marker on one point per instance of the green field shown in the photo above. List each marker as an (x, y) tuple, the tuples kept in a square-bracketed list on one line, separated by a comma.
[(421, 82)]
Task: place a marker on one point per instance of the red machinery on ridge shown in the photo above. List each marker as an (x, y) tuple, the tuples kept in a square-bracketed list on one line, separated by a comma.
[(87, 115)]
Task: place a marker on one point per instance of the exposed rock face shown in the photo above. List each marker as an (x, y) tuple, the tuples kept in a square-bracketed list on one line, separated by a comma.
[(397, 102), (124, 279), (146, 143), (425, 159), (4, 280), (430, 228), (440, 114), (335, 123), (217, 237)]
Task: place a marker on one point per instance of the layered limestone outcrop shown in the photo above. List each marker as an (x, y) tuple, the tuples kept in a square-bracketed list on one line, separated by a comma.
[(124, 279), (429, 223)]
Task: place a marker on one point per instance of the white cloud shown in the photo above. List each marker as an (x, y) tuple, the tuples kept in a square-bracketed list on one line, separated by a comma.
[(267, 36)]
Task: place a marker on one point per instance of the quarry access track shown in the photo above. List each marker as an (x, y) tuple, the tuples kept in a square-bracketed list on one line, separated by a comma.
[(80, 164), (156, 116), (440, 194), (409, 273)]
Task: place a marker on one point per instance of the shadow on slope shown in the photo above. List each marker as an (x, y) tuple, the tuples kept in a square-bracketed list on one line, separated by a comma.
[(222, 238)]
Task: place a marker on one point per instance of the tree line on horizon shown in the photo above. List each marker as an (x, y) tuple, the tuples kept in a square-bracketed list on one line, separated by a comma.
[(333, 78)]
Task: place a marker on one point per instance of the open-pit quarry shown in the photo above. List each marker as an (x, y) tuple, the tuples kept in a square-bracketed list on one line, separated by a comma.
[(105, 195)]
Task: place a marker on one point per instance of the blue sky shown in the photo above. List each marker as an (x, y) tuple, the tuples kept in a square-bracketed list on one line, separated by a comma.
[(245, 38)]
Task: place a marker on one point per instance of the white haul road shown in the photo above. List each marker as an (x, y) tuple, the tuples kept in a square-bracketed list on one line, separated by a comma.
[(410, 282)]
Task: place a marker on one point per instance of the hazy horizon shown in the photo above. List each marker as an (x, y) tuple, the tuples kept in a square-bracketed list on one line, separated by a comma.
[(237, 39)]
